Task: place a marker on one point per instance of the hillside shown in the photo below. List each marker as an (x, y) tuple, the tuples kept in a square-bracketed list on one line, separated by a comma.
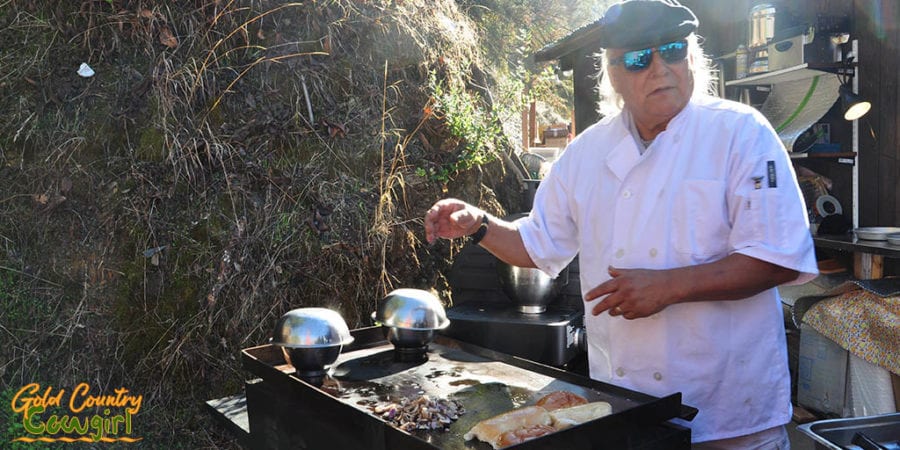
[(227, 161)]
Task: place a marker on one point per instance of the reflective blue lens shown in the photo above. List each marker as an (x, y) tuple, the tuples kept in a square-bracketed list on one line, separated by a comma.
[(638, 60), (673, 52)]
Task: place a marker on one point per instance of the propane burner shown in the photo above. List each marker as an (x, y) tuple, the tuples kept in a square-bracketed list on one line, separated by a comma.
[(313, 377), (555, 335), (496, 304), (411, 354)]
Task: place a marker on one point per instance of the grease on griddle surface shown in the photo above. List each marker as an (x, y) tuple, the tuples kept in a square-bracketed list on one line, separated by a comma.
[(372, 378)]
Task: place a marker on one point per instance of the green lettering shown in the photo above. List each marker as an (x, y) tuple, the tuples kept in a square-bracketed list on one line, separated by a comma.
[(115, 420), (127, 422), (31, 428), (97, 424), (52, 424), (72, 424)]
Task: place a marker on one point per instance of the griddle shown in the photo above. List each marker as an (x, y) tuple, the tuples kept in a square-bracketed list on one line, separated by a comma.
[(287, 411)]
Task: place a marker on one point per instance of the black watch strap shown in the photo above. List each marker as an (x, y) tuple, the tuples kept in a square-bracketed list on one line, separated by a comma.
[(482, 230)]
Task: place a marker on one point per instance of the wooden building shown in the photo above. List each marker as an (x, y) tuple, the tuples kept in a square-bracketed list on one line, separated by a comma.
[(866, 180)]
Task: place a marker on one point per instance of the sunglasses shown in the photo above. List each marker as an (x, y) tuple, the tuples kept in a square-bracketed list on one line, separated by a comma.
[(638, 60)]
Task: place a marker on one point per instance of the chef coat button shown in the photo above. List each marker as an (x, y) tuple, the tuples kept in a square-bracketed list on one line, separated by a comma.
[(653, 253), (626, 194), (620, 372), (620, 253), (677, 138), (657, 376)]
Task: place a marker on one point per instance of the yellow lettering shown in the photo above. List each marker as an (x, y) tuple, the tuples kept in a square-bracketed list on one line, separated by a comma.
[(31, 402), (81, 389), (135, 403), (56, 399), (26, 403)]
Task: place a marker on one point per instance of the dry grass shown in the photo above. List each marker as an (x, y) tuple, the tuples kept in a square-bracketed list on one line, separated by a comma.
[(230, 160)]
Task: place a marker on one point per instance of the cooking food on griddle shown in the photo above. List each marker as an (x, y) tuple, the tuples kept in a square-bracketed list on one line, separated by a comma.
[(555, 411), (521, 435), (567, 417), (560, 399), (505, 425), (423, 413)]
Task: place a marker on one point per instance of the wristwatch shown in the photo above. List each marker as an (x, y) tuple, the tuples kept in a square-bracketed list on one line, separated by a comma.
[(482, 230)]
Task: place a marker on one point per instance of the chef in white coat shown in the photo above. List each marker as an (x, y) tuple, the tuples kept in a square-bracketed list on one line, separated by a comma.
[(686, 215)]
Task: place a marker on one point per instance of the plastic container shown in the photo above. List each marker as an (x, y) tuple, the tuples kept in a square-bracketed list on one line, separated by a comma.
[(740, 62)]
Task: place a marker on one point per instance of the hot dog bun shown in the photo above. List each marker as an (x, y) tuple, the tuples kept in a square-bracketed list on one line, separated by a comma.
[(560, 399), (567, 417), (491, 430)]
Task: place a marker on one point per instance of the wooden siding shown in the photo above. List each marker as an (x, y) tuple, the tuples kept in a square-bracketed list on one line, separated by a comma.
[(876, 24)]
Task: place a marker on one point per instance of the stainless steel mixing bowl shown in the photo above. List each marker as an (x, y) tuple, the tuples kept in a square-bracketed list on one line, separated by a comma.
[(411, 309), (530, 289), (406, 338), (311, 359), (311, 338), (411, 317)]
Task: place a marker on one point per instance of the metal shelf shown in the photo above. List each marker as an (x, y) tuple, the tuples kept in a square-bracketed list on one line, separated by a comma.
[(838, 155), (799, 72)]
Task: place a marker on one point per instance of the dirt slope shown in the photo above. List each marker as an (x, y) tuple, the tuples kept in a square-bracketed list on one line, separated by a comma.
[(227, 161)]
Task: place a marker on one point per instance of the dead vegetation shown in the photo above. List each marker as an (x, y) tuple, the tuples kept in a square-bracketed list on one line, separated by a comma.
[(228, 161)]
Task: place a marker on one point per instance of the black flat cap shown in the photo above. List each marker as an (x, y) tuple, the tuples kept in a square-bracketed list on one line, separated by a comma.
[(637, 24)]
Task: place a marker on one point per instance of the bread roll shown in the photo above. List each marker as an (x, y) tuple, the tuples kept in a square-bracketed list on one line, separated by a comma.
[(567, 417), (490, 430), (560, 399)]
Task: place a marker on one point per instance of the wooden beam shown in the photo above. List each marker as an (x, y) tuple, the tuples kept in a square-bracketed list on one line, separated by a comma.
[(532, 125), (867, 266)]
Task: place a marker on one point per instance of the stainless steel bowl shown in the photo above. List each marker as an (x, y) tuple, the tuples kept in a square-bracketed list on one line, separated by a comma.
[(411, 309), (311, 338), (893, 238), (311, 359), (875, 233), (406, 338), (530, 289), (311, 328)]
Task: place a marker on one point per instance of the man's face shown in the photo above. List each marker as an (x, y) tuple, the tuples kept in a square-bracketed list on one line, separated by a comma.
[(656, 93)]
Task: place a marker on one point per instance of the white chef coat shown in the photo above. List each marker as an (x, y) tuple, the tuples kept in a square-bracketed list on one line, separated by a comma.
[(717, 181)]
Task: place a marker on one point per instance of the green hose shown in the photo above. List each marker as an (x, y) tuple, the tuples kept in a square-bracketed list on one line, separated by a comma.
[(812, 88)]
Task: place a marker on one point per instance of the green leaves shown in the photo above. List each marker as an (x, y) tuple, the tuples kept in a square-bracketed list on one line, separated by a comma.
[(466, 119)]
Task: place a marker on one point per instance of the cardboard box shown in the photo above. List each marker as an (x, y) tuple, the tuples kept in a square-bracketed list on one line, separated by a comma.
[(835, 382)]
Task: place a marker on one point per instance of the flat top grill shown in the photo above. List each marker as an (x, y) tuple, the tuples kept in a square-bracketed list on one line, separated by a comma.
[(486, 383)]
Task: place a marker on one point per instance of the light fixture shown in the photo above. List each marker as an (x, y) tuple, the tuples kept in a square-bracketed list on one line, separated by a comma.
[(852, 104)]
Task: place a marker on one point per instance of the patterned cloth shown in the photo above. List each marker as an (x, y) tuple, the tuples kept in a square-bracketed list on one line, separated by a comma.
[(861, 320)]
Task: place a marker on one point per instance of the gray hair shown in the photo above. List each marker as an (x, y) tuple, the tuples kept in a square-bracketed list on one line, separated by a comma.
[(611, 103)]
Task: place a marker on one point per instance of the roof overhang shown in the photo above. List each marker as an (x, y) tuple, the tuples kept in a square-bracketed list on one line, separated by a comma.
[(578, 39)]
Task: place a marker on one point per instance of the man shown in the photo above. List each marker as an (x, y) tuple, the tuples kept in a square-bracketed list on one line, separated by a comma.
[(686, 214)]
